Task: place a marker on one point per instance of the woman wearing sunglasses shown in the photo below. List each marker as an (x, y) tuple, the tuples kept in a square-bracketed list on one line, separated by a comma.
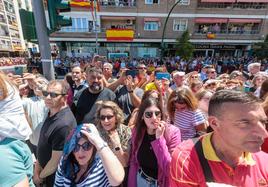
[(153, 141), (88, 161), (109, 121), (183, 112)]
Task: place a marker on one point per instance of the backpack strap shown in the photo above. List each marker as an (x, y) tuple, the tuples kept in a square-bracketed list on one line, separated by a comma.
[(203, 161)]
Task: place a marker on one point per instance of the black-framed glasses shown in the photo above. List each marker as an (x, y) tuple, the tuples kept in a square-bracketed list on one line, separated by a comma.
[(52, 94), (108, 117), (149, 114), (85, 146)]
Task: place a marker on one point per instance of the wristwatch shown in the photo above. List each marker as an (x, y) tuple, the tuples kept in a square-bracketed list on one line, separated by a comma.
[(117, 148)]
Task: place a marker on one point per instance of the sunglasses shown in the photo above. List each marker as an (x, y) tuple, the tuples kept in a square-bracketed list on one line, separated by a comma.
[(85, 146), (150, 114), (52, 94), (108, 117)]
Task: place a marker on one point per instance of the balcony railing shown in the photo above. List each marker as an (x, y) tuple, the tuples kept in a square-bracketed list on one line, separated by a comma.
[(230, 32), (233, 6), (118, 3)]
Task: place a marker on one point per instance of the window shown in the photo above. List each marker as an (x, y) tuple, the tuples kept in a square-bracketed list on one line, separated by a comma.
[(183, 2), (78, 25), (151, 26), (150, 2), (180, 25)]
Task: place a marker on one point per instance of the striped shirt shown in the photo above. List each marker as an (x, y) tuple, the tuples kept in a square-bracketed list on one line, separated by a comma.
[(96, 177), (187, 120)]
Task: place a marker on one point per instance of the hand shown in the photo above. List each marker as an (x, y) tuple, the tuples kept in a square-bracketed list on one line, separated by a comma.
[(115, 139), (158, 85), (160, 129), (130, 83), (91, 132), (37, 180)]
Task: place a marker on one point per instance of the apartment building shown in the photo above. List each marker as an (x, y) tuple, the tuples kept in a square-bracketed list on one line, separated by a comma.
[(134, 27)]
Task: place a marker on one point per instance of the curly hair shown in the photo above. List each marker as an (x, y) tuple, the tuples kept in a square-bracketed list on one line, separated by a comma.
[(119, 115)]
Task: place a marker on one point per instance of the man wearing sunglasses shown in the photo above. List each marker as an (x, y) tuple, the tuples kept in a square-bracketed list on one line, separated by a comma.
[(54, 131)]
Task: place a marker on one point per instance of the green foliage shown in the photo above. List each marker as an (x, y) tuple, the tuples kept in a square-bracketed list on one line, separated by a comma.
[(184, 47), (261, 49)]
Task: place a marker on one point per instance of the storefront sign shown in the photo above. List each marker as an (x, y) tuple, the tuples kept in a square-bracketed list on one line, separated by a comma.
[(214, 46)]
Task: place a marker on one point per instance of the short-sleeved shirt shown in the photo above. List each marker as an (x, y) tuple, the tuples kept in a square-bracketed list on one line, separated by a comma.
[(186, 171), (52, 136), (15, 162), (187, 120)]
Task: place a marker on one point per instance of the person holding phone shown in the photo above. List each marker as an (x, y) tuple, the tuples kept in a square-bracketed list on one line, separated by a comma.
[(87, 160), (153, 141)]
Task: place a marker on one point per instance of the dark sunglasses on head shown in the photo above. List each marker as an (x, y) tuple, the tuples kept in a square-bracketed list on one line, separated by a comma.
[(52, 94), (85, 146), (150, 114), (103, 117)]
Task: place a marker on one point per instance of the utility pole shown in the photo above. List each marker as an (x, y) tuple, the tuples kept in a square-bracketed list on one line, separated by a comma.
[(95, 23), (43, 39), (164, 30)]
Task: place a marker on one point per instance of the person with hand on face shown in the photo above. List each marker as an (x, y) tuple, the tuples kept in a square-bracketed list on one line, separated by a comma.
[(153, 142), (84, 101), (109, 121), (88, 161)]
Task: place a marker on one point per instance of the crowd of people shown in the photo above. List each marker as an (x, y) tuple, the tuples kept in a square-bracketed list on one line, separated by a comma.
[(6, 61), (137, 123)]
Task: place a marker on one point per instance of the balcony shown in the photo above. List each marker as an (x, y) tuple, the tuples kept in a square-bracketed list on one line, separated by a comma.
[(117, 3), (232, 5)]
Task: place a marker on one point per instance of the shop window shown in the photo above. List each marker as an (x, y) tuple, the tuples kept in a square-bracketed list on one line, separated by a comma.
[(151, 26), (180, 25), (150, 2)]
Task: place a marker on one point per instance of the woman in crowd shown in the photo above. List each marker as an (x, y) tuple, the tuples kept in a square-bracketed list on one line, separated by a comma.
[(109, 121), (16, 160), (192, 77), (196, 86), (183, 112), (257, 82), (203, 98), (153, 141), (88, 161)]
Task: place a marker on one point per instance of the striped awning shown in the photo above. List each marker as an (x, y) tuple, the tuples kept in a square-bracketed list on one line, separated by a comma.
[(244, 20), (218, 1), (118, 17), (252, 1), (119, 34), (211, 20)]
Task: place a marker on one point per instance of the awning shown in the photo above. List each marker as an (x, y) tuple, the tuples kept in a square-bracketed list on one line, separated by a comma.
[(252, 1), (244, 20), (118, 17), (218, 1), (151, 19), (211, 20)]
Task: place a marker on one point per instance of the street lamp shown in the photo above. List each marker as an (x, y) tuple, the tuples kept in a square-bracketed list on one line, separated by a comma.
[(164, 29)]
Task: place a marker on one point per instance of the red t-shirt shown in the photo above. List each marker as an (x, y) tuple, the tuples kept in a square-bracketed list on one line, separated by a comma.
[(264, 146), (186, 171)]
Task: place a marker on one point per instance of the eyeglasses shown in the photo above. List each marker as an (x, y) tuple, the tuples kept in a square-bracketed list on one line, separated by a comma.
[(108, 117), (52, 94), (85, 146), (212, 72), (149, 114)]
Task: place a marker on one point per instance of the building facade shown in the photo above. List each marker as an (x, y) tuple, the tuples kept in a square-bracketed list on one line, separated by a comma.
[(134, 27)]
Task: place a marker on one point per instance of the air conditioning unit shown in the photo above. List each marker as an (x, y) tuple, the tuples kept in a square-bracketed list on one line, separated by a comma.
[(129, 22)]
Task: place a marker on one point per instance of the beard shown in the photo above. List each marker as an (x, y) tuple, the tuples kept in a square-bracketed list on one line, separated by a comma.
[(96, 87)]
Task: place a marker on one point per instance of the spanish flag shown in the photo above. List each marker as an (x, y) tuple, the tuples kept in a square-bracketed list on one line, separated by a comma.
[(119, 34), (84, 4)]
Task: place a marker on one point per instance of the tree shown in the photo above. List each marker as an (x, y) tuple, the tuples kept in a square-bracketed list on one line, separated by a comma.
[(261, 49), (184, 48)]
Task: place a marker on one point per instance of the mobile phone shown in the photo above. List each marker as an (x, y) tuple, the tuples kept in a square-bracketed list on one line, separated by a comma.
[(160, 76), (123, 65), (18, 71), (133, 73)]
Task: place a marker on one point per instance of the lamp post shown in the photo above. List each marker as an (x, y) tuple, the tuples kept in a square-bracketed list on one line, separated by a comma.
[(164, 29)]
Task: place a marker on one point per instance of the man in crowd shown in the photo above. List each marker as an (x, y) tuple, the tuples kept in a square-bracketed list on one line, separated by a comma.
[(231, 153), (178, 79), (108, 72), (79, 82), (211, 74), (84, 101), (53, 133)]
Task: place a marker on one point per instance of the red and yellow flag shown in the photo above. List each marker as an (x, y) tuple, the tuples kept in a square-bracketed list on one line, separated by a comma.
[(119, 34), (84, 4)]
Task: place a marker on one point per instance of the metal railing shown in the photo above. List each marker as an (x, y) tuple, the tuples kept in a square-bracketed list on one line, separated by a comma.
[(230, 32), (233, 6), (118, 3)]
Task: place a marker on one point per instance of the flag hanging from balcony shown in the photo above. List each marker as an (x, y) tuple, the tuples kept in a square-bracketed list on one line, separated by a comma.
[(119, 34), (85, 4)]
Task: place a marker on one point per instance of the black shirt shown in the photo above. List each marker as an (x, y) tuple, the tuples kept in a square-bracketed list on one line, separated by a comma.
[(146, 156), (53, 134)]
